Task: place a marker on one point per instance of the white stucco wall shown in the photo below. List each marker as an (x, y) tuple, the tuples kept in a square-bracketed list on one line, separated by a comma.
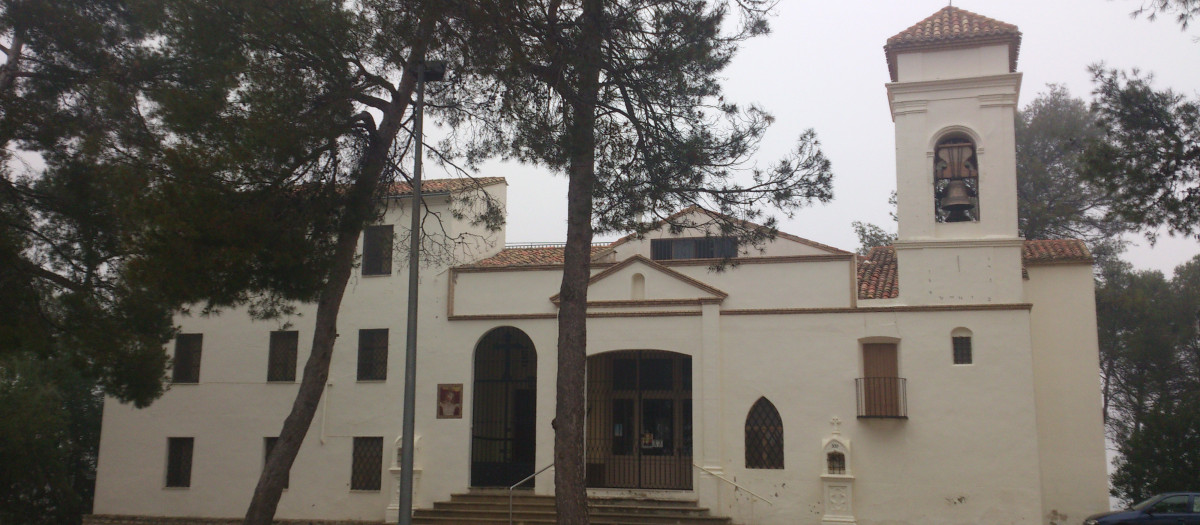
[(1067, 383)]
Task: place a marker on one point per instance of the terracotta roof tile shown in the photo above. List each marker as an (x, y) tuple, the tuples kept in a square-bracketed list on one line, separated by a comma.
[(1055, 251), (877, 274), (530, 256), (952, 27), (878, 269), (399, 189)]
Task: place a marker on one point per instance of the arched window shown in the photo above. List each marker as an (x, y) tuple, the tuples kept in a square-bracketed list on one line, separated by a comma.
[(956, 180), (764, 436), (638, 287)]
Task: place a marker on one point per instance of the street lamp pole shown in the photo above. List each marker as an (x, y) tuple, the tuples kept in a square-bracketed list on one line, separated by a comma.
[(427, 71)]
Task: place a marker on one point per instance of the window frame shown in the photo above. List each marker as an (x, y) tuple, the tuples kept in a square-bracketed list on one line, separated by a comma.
[(372, 354), (685, 248), (377, 249), (180, 456), (282, 356), (364, 455), (764, 424), (185, 368), (962, 350)]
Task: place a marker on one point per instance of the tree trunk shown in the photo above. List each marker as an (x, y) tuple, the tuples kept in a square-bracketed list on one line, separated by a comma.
[(10, 69), (570, 491), (361, 206)]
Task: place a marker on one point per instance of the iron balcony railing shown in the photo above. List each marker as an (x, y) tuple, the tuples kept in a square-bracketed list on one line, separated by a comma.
[(882, 397)]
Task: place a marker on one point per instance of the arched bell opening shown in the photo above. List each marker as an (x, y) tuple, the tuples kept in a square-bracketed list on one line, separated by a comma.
[(956, 179), (503, 409), (639, 420)]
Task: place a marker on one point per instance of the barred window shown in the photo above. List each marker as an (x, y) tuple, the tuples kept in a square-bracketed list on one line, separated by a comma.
[(187, 358), (367, 466), (377, 250), (281, 361), (372, 354), (835, 463), (693, 248), (268, 447), (764, 436), (962, 350), (179, 461)]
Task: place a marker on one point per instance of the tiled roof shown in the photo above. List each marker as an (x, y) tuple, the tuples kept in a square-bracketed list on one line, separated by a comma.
[(952, 27), (747, 224), (530, 256), (877, 270), (1055, 251), (398, 189), (877, 274)]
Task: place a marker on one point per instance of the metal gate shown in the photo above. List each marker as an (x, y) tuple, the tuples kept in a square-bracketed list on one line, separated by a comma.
[(639, 420), (503, 409)]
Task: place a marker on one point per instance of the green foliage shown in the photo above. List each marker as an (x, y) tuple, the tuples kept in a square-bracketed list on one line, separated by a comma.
[(49, 433), (1148, 157), (870, 236), (1054, 199), (1150, 364), (665, 138)]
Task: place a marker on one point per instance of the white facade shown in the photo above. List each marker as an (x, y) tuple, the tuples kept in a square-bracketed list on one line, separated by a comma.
[(1014, 436)]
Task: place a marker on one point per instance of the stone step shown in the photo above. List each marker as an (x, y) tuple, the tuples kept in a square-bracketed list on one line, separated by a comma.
[(491, 507)]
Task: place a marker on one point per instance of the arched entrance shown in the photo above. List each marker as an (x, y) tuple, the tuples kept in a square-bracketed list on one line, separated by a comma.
[(502, 411), (639, 420)]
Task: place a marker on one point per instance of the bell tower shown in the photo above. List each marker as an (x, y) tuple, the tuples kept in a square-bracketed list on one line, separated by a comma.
[(953, 98)]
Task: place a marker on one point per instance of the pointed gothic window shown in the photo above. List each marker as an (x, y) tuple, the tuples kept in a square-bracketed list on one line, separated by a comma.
[(956, 180), (764, 436)]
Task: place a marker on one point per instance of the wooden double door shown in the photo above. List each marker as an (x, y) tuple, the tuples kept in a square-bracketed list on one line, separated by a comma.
[(639, 420)]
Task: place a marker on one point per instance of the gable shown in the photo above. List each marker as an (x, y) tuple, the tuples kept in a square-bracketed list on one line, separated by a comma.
[(640, 280)]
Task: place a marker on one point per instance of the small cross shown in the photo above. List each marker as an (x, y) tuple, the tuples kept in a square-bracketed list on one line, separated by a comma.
[(837, 424)]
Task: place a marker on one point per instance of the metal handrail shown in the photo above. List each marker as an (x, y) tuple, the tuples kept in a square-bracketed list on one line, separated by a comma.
[(726, 480), (519, 483)]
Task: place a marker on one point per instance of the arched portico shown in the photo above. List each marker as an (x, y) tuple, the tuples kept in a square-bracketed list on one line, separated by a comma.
[(503, 429), (639, 420)]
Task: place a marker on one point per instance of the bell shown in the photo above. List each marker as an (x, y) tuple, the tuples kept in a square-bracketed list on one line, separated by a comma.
[(956, 201)]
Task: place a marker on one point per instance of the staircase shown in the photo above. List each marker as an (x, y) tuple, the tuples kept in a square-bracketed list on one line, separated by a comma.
[(490, 507)]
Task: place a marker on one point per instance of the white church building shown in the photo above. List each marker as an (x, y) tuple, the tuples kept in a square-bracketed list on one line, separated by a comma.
[(950, 378)]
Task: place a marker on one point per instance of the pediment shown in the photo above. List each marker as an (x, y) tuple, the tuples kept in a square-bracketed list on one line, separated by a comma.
[(661, 286)]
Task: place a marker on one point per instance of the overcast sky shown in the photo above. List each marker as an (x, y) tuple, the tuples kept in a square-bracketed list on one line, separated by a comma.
[(823, 67)]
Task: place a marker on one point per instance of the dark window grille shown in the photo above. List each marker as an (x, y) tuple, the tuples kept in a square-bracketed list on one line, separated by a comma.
[(268, 447), (179, 462), (962, 350), (764, 436), (187, 358), (377, 250), (367, 466), (882, 397), (693, 248), (835, 463), (372, 354), (281, 362)]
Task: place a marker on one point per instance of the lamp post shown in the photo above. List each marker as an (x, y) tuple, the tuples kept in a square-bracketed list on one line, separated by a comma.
[(427, 71)]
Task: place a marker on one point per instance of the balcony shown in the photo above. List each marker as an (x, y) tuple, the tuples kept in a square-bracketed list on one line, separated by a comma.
[(882, 397)]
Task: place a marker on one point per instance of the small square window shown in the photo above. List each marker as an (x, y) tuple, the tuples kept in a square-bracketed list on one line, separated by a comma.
[(367, 466), (962, 350), (179, 461), (186, 367), (377, 250), (372, 354), (268, 447), (281, 359)]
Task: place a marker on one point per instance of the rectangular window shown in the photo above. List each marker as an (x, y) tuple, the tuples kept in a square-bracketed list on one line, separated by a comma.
[(187, 358), (179, 462), (962, 350), (377, 250), (693, 248), (372, 354), (268, 446), (367, 465), (281, 361)]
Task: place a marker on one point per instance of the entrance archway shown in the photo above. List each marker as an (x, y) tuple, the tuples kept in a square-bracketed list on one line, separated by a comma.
[(503, 408), (639, 420)]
